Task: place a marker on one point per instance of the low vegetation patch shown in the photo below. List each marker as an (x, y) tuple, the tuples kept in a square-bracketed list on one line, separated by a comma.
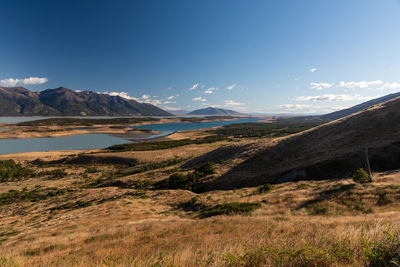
[(53, 174), (383, 252), (11, 171), (180, 181), (274, 129), (264, 188), (190, 180), (156, 145), (230, 209), (14, 196)]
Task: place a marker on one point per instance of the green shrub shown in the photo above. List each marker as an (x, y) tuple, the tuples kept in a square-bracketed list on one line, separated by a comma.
[(384, 252), (206, 169), (156, 145), (361, 176), (11, 171), (190, 181), (14, 196), (180, 181), (264, 188), (230, 209), (53, 174)]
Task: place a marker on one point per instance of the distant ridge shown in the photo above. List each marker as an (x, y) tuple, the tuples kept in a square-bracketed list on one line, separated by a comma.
[(213, 111), (346, 112), (19, 101)]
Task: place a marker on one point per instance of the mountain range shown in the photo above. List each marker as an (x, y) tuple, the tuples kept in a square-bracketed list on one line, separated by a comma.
[(213, 111), (19, 101)]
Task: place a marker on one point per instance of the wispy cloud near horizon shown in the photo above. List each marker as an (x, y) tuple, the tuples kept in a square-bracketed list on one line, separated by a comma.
[(333, 97), (320, 86)]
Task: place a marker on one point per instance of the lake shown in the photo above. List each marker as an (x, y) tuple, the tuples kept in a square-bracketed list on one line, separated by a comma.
[(94, 141), (168, 128)]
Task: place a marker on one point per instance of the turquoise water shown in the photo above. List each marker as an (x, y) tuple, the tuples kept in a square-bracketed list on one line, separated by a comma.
[(94, 141), (73, 142), (168, 128)]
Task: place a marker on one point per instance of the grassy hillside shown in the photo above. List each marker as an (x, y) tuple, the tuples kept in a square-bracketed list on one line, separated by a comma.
[(120, 215), (333, 150)]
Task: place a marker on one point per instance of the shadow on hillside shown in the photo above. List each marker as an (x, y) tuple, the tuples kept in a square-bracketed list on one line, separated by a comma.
[(224, 153), (275, 165), (335, 193)]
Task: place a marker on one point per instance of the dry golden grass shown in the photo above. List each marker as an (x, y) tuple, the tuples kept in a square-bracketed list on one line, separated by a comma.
[(92, 223), (128, 230)]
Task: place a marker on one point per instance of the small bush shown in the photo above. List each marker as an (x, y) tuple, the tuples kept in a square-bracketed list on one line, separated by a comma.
[(384, 252), (264, 188), (190, 181), (206, 169), (180, 181), (361, 176), (230, 209)]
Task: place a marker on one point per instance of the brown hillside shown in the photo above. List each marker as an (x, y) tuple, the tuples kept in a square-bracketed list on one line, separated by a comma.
[(331, 151)]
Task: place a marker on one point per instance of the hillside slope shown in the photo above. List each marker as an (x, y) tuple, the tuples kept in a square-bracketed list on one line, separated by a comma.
[(331, 151), (18, 101), (348, 111)]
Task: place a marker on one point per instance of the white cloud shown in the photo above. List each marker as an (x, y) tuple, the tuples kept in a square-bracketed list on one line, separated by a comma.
[(230, 87), (146, 97), (170, 108), (360, 84), (320, 86), (199, 99), (313, 70), (194, 86), (120, 94), (143, 99), (296, 106), (392, 86), (26, 81), (169, 102), (210, 90), (331, 97), (231, 103)]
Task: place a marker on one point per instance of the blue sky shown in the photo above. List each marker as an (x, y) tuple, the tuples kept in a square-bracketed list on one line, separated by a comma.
[(286, 56)]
